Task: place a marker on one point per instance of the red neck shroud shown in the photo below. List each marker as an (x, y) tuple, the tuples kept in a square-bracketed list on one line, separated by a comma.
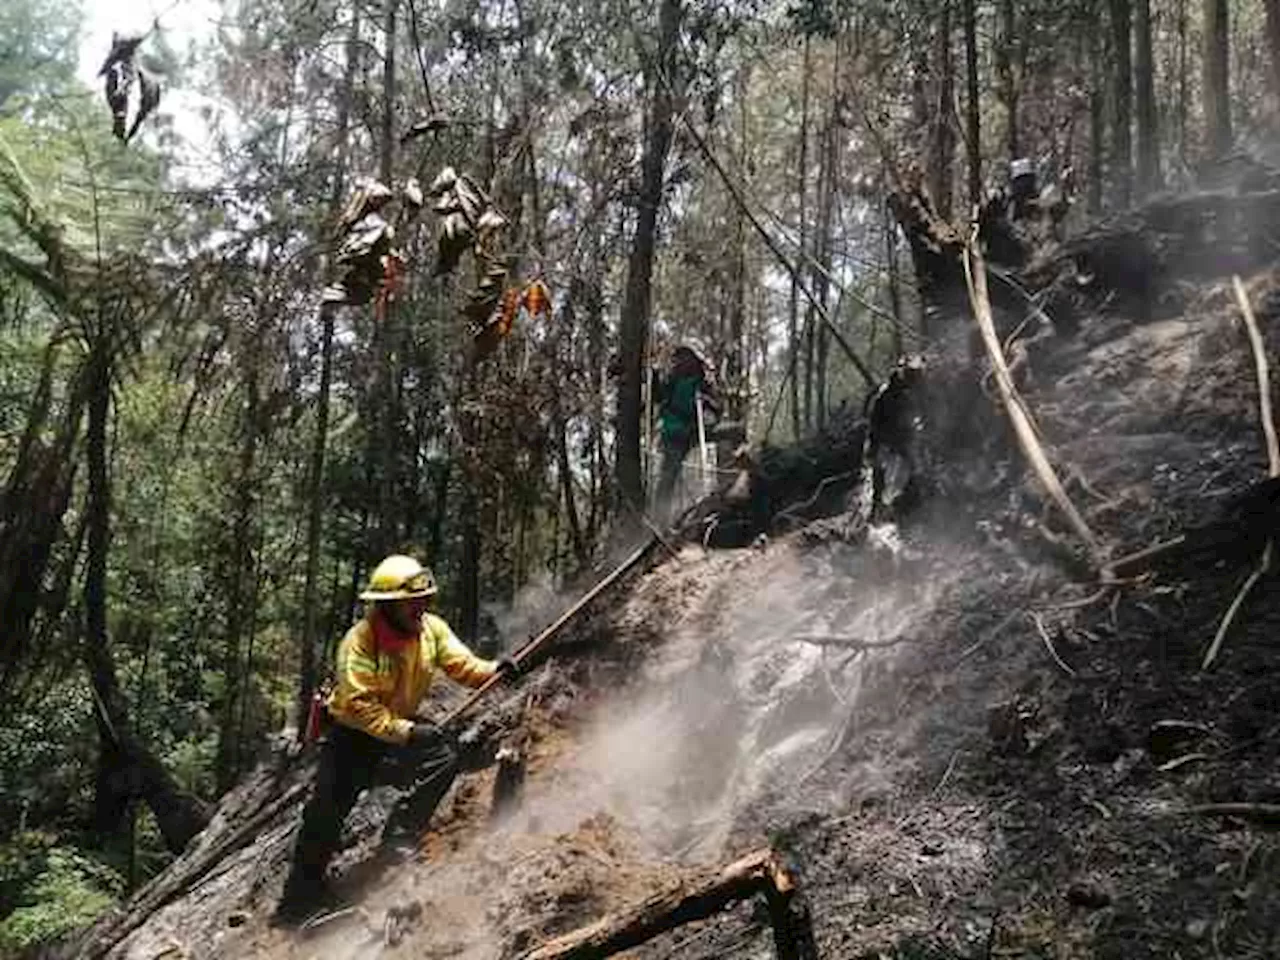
[(387, 636)]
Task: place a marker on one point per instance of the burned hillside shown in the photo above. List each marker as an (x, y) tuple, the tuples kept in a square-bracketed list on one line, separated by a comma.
[(960, 736)]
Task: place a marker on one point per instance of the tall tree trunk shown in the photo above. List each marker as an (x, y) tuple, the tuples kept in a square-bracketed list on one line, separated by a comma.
[(736, 366), (126, 769), (634, 334), (1144, 88), (227, 756), (386, 151), (941, 177), (802, 177), (578, 541), (388, 334), (593, 301), (472, 545), (1217, 103), (1097, 114), (891, 264), (319, 442), (973, 128), (1183, 68), (1009, 84), (1121, 98), (816, 335), (1273, 47)]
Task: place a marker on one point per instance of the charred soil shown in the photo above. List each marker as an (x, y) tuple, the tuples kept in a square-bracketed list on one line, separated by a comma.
[(963, 748)]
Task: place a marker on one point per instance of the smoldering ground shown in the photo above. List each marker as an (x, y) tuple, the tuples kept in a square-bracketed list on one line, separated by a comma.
[(739, 702)]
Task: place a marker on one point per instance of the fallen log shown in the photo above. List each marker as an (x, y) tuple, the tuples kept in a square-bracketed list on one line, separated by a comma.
[(697, 898)]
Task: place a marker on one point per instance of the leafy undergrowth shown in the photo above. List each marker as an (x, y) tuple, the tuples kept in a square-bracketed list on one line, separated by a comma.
[(51, 889)]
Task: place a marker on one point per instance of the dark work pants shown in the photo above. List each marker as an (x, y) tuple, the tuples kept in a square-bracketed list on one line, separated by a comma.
[(675, 447), (350, 763)]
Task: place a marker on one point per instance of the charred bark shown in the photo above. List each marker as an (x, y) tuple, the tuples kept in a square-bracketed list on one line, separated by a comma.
[(760, 873)]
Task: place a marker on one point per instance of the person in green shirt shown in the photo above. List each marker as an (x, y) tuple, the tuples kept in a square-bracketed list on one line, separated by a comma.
[(677, 401)]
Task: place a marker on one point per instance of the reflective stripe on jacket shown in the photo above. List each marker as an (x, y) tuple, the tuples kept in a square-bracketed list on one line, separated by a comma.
[(378, 690)]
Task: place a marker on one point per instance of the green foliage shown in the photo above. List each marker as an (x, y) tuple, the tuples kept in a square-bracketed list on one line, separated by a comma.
[(46, 758), (39, 42), (48, 889)]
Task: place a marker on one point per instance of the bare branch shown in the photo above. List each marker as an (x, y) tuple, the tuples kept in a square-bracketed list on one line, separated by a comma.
[(1048, 643), (1273, 460)]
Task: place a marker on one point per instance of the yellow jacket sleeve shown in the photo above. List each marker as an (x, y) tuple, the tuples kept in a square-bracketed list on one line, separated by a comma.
[(363, 691), (455, 658)]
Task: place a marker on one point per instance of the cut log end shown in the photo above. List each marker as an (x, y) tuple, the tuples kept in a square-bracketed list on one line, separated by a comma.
[(760, 873)]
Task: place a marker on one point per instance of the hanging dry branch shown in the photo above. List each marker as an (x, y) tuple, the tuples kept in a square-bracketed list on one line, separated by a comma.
[(1273, 465)]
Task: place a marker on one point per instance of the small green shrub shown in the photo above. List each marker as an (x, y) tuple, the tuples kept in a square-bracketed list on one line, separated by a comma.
[(61, 890)]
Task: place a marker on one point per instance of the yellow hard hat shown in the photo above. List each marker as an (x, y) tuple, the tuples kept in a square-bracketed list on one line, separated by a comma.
[(399, 578)]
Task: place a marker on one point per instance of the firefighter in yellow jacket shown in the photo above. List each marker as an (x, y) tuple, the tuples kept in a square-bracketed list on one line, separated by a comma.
[(385, 666)]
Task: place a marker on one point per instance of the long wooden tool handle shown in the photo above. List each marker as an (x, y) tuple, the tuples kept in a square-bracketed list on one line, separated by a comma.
[(532, 646)]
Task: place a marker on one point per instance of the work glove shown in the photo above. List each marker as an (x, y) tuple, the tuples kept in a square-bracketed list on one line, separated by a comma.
[(423, 734), (508, 669)]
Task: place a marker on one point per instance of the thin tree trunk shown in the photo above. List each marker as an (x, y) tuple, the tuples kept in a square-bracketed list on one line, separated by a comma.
[(944, 135), (973, 127), (821, 287), (1273, 47), (1217, 103), (1183, 100), (564, 330), (1144, 89), (793, 332), (581, 554), (388, 337), (1097, 114), (1121, 96), (891, 264), (227, 757), (319, 443), (1009, 84), (386, 153), (472, 545), (634, 333), (735, 372), (595, 325)]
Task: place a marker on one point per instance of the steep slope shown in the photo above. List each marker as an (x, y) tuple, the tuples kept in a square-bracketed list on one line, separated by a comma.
[(964, 750)]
